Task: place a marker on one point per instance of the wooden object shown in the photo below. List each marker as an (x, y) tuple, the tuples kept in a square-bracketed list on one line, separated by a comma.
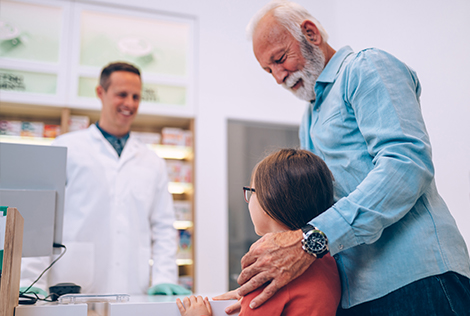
[(65, 117), (10, 281)]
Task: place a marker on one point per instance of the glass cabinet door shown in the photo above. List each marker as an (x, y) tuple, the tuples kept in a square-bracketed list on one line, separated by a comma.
[(248, 143)]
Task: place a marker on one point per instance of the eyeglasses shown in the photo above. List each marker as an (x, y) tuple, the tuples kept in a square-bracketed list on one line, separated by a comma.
[(247, 192)]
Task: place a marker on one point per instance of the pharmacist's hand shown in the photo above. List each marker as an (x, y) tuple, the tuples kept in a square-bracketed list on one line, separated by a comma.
[(168, 289), (277, 258), (232, 295), (194, 306)]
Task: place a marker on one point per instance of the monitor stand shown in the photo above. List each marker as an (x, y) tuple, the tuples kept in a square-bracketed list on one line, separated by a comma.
[(10, 279)]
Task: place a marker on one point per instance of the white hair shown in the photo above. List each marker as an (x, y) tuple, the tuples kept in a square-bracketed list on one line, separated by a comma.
[(288, 14)]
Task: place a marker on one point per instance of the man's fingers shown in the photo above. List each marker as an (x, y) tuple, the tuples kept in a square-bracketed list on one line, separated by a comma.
[(250, 257), (253, 272), (247, 260), (186, 302), (232, 309), (254, 283), (232, 295), (267, 293)]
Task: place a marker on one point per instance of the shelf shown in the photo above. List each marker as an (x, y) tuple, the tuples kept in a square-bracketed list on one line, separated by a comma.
[(172, 152), (183, 224), (184, 262), (164, 151), (26, 140), (180, 188)]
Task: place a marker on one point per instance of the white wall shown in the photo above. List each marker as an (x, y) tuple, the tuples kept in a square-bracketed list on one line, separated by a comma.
[(431, 36)]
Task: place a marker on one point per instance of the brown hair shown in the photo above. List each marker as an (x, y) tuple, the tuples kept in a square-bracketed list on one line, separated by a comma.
[(118, 66), (293, 186)]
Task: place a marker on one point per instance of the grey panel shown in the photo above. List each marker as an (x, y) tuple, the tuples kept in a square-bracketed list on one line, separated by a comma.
[(30, 170), (38, 211)]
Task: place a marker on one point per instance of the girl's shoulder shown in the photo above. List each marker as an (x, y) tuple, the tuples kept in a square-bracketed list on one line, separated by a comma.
[(316, 292)]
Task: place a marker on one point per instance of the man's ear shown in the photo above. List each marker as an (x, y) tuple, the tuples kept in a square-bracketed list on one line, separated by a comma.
[(311, 32), (99, 91)]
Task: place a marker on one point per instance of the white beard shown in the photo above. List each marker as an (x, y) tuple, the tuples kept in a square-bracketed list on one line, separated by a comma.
[(314, 64)]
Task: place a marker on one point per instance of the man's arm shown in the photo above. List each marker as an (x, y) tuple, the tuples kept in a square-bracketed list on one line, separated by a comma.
[(163, 237), (383, 95)]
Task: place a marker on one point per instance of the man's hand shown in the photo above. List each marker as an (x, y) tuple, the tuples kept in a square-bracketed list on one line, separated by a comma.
[(232, 295), (277, 258)]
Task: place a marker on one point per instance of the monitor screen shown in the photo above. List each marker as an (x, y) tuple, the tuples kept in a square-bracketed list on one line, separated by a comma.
[(32, 179)]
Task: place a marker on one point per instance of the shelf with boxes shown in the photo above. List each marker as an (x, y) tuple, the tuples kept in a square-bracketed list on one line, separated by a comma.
[(170, 137)]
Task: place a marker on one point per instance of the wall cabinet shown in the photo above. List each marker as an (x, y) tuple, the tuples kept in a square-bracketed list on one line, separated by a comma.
[(53, 51)]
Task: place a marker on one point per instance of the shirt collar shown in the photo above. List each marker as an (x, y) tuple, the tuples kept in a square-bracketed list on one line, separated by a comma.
[(332, 68), (118, 143), (110, 136)]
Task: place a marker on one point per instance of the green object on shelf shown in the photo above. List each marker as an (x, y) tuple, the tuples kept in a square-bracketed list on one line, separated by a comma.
[(3, 213), (168, 289), (34, 290)]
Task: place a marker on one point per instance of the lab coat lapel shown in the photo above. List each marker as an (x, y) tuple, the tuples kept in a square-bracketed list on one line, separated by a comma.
[(108, 148), (129, 151)]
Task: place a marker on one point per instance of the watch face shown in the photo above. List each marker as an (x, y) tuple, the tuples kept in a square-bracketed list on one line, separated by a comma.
[(316, 242)]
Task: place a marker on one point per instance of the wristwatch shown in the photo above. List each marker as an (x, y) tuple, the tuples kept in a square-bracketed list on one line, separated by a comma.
[(314, 242)]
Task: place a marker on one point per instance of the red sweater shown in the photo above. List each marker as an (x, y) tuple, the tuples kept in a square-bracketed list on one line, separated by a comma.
[(317, 292)]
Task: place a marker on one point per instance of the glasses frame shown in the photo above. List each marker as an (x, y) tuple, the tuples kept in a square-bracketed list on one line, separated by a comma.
[(247, 192)]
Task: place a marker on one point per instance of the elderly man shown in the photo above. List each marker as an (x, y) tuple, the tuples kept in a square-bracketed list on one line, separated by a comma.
[(396, 245), (118, 213)]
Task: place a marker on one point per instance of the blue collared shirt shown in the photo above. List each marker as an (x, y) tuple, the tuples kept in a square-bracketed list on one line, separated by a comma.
[(389, 226), (118, 143)]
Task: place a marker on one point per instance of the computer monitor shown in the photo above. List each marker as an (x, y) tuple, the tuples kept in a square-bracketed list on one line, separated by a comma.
[(32, 179)]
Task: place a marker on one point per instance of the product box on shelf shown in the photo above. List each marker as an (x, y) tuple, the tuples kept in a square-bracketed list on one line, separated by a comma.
[(51, 131), (184, 245), (179, 171), (183, 210), (32, 129), (147, 138), (177, 137), (187, 138), (172, 136), (78, 122), (186, 281), (10, 128)]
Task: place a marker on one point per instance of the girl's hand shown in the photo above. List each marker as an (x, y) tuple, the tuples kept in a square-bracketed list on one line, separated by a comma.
[(194, 306)]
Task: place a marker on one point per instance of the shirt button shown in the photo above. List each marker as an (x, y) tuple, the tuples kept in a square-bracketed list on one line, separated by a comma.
[(340, 247), (336, 257)]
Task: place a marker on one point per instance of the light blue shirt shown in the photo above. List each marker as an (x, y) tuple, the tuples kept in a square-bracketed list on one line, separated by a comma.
[(389, 226)]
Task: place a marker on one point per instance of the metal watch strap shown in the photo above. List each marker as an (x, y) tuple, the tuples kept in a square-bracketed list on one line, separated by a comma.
[(307, 228)]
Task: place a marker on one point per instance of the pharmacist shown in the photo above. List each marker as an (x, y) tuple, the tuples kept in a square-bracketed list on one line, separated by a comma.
[(118, 211)]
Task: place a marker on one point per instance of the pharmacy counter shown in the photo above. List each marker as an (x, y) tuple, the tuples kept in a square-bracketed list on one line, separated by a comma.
[(137, 305)]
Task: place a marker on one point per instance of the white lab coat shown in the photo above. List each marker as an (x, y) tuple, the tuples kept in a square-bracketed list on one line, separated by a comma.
[(118, 215)]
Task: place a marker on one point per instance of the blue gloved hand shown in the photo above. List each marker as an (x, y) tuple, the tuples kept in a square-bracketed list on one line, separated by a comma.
[(168, 289), (33, 289)]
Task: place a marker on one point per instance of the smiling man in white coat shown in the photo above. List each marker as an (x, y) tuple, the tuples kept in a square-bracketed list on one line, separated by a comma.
[(118, 210)]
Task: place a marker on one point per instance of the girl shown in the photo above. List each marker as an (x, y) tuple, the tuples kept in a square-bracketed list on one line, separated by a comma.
[(288, 189)]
